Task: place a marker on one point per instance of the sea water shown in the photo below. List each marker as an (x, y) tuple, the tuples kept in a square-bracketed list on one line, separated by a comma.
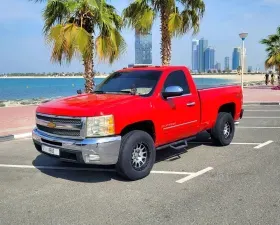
[(45, 88)]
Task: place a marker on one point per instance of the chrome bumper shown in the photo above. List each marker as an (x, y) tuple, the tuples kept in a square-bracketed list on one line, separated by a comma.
[(101, 151)]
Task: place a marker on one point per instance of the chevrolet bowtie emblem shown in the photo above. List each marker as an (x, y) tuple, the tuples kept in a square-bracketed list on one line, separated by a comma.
[(51, 125)]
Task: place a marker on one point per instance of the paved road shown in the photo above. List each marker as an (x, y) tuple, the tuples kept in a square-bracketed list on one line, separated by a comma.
[(242, 188)]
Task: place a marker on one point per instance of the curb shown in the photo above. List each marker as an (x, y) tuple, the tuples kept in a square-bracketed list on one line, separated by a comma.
[(261, 103), (14, 137)]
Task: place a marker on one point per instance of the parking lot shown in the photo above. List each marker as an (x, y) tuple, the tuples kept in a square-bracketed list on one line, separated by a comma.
[(203, 184)]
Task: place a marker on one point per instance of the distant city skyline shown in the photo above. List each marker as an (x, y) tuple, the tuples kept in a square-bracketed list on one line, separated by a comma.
[(203, 56), (23, 47)]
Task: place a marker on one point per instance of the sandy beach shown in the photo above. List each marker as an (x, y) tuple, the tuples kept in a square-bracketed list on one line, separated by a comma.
[(247, 77)]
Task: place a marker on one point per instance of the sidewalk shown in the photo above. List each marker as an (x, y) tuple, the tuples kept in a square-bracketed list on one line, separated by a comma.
[(21, 119), (17, 120), (261, 94)]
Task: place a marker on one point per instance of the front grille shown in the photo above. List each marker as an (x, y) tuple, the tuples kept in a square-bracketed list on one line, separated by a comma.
[(60, 120), (60, 132), (63, 126)]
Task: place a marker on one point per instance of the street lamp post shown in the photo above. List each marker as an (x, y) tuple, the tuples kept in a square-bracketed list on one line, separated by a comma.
[(243, 37)]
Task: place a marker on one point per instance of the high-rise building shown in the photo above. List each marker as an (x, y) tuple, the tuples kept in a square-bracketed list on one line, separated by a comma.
[(236, 58), (203, 44), (250, 69), (209, 59), (143, 48), (218, 66), (195, 55), (227, 63)]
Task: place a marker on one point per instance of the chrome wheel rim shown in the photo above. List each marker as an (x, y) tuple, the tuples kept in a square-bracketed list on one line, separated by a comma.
[(227, 130), (139, 156)]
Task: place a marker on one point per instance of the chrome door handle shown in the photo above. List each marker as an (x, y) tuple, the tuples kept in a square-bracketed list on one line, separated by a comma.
[(191, 104)]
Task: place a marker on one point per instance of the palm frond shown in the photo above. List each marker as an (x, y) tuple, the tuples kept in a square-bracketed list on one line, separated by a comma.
[(175, 24), (68, 41), (139, 15), (192, 14), (55, 12), (110, 45)]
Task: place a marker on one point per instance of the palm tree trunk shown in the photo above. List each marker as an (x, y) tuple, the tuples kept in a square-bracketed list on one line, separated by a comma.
[(89, 74), (165, 37)]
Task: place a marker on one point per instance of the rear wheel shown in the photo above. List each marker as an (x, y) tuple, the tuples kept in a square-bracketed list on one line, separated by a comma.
[(223, 131), (137, 155)]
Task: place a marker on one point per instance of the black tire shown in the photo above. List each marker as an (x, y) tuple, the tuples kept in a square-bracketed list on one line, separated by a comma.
[(125, 166), (217, 132)]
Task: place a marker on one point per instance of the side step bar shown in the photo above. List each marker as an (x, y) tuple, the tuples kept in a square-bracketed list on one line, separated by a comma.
[(177, 145)]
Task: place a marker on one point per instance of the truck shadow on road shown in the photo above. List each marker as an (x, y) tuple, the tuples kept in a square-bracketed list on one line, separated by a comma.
[(72, 172)]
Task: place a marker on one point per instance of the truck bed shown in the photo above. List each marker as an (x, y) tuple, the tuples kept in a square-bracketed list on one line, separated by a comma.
[(212, 98)]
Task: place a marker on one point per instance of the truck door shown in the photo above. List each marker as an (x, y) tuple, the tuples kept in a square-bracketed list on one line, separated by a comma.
[(181, 113)]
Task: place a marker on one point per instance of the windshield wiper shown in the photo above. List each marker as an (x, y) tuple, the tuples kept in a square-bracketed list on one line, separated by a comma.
[(128, 92), (99, 92)]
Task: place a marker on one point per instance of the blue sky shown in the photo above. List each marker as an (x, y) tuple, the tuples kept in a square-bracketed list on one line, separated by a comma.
[(23, 49)]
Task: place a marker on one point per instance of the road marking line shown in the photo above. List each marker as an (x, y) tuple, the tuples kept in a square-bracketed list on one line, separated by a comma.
[(171, 172), (25, 135), (258, 127), (234, 143), (194, 175), (263, 144)]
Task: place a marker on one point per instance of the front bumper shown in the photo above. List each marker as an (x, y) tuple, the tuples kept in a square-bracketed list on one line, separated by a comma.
[(100, 151)]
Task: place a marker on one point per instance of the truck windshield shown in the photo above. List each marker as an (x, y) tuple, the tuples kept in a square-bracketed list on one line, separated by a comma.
[(130, 82)]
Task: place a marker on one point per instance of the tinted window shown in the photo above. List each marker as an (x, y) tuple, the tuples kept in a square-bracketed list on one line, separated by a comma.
[(143, 82), (177, 78)]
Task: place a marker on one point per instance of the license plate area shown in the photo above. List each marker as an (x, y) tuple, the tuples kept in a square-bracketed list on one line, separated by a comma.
[(50, 150)]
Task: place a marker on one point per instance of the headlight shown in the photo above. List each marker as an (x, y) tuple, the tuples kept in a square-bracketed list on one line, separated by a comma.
[(100, 126)]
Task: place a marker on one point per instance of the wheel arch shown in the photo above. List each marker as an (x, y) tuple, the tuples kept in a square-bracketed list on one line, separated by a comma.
[(144, 125), (229, 108)]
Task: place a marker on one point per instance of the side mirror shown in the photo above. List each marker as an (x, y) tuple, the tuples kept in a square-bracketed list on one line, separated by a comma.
[(79, 91), (172, 91)]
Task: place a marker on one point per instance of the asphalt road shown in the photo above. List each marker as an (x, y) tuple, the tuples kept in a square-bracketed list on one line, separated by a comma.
[(241, 183)]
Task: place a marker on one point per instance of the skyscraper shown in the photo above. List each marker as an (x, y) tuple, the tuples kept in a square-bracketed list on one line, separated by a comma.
[(227, 63), (236, 58), (195, 55), (209, 59), (203, 44), (143, 48), (218, 66)]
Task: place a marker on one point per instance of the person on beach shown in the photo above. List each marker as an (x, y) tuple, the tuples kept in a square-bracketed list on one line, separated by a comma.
[(272, 79), (266, 79)]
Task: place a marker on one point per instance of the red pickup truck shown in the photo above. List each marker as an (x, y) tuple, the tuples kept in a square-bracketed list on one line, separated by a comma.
[(133, 113)]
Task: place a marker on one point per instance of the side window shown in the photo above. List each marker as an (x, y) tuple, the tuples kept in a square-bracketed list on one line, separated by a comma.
[(177, 78)]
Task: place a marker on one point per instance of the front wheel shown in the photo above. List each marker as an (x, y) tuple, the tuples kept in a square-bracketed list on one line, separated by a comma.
[(223, 131), (137, 155)]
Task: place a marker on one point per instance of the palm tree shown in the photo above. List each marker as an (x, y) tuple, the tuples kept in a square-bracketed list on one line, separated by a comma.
[(140, 14), (273, 50), (83, 28)]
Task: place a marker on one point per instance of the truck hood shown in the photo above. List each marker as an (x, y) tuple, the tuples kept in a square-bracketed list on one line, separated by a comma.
[(84, 105)]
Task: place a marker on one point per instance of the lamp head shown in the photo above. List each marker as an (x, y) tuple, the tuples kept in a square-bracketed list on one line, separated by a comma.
[(243, 35)]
